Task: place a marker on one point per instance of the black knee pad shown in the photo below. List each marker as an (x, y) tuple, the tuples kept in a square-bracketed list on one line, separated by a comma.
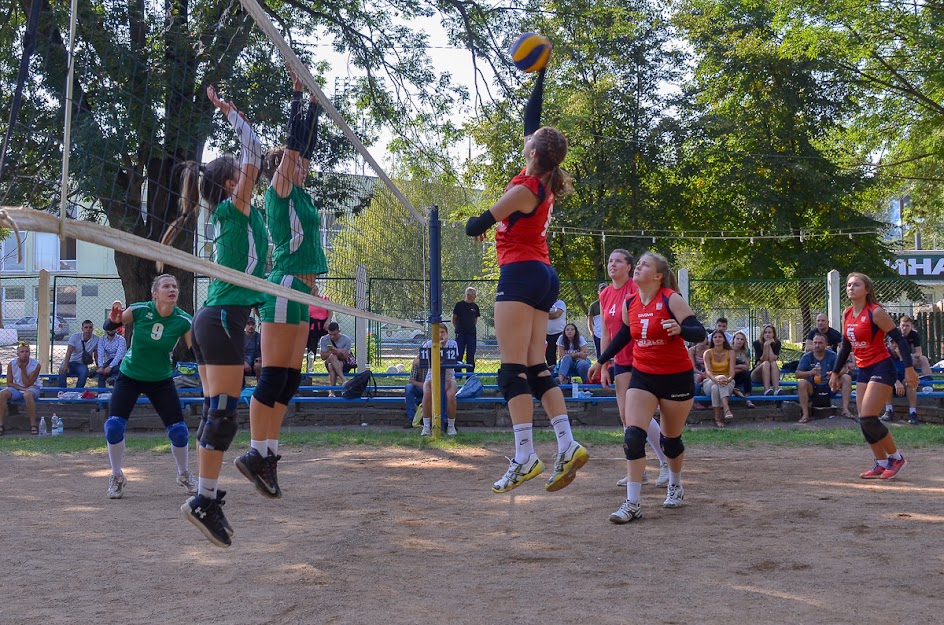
[(671, 447), (270, 385), (634, 443), (510, 382), (220, 430), (872, 429), (540, 384), (293, 379)]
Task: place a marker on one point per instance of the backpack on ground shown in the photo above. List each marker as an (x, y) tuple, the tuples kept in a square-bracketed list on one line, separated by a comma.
[(358, 386)]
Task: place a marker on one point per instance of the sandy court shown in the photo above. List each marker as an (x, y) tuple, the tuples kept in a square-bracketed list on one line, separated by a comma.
[(368, 535)]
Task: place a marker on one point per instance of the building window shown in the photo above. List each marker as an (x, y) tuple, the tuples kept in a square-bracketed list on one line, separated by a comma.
[(49, 255), (9, 261), (89, 290), (14, 302), (65, 302)]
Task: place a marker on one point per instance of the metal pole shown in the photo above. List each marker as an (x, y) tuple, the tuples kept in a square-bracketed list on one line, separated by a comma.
[(435, 318)]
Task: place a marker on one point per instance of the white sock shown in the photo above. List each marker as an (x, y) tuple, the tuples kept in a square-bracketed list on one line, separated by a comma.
[(675, 479), (524, 444), (427, 422), (895, 456), (564, 436), (207, 487), (633, 490), (181, 457), (889, 407), (273, 445), (652, 435), (883, 463), (261, 446), (450, 422), (116, 454)]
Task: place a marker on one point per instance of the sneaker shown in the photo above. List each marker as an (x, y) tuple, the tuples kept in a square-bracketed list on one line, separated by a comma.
[(889, 415), (769, 391), (674, 497), (874, 473), (116, 484), (426, 431), (207, 515), (256, 469), (451, 431), (188, 481), (226, 526), (894, 467), (913, 420), (517, 474), (566, 465), (629, 511), (623, 481), (273, 476), (663, 478)]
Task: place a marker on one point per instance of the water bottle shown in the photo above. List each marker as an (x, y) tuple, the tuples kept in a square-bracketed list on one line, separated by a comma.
[(927, 389), (56, 425), (575, 390), (42, 426)]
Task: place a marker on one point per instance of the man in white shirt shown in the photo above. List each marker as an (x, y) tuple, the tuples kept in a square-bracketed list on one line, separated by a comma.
[(556, 321), (81, 352), (111, 349)]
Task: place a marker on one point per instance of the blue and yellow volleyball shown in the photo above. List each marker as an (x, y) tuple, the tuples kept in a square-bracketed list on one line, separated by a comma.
[(530, 52)]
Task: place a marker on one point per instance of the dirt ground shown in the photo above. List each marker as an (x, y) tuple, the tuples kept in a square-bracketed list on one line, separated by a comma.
[(365, 535)]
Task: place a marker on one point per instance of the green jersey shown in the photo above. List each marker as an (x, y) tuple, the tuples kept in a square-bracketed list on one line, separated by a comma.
[(149, 357), (295, 225), (241, 243)]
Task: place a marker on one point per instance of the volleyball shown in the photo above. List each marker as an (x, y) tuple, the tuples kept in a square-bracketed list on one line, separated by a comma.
[(530, 52)]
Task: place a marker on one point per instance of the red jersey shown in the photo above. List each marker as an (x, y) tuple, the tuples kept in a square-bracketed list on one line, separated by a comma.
[(867, 339), (655, 352), (612, 302), (520, 237)]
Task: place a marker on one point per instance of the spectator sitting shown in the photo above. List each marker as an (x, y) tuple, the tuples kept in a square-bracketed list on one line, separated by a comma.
[(813, 376), (901, 389), (556, 320), (111, 349), (833, 337), (719, 375), (766, 353), (697, 354), (448, 354), (336, 352), (722, 324), (921, 362), (595, 319), (81, 352), (22, 383), (572, 355), (413, 392), (318, 319), (742, 367), (252, 363)]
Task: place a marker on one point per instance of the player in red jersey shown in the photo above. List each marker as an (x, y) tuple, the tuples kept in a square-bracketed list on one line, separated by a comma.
[(612, 299), (527, 288), (865, 325), (663, 376)]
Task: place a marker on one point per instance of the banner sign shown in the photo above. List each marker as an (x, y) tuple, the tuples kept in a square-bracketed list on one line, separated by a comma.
[(920, 265)]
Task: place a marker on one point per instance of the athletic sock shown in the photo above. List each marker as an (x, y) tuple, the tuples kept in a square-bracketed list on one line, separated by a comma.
[(181, 457), (883, 463), (116, 454), (565, 437), (261, 446), (889, 408), (273, 446), (524, 444), (653, 435), (207, 487), (675, 479), (912, 412), (427, 422), (633, 491), (895, 456)]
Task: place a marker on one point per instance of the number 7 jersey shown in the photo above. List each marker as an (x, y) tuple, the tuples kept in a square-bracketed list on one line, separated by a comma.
[(148, 358), (523, 236), (655, 352)]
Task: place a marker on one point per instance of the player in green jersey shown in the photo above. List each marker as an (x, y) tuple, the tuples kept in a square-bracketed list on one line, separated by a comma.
[(146, 368)]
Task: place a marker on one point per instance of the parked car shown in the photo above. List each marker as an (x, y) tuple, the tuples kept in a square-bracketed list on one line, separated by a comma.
[(26, 327), (393, 332)]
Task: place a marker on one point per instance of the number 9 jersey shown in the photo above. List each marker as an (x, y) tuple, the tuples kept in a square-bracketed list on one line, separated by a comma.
[(655, 352), (521, 237), (149, 357)]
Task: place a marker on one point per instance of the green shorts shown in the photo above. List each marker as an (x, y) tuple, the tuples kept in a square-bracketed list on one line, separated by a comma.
[(281, 310)]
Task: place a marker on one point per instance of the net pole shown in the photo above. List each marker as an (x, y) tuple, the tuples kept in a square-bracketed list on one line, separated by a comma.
[(437, 387), (67, 129)]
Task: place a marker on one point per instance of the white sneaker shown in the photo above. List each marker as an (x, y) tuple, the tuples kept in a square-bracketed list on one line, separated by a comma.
[(629, 511), (663, 478), (426, 431), (517, 474), (115, 485), (188, 481), (674, 497), (624, 481), (451, 430)]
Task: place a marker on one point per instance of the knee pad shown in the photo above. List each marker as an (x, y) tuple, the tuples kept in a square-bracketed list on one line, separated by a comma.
[(540, 384), (510, 382), (270, 385), (634, 443), (220, 430), (872, 429), (671, 447), (115, 429), (179, 434), (293, 379)]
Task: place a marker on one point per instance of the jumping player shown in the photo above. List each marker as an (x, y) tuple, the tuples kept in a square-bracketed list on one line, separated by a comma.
[(865, 325), (146, 368), (527, 288), (241, 243), (294, 224), (612, 299), (663, 376)]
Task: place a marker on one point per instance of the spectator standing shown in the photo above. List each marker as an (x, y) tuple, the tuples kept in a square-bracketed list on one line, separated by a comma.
[(465, 315), (812, 376), (22, 383), (572, 352), (595, 319), (448, 354), (922, 364), (766, 354), (719, 375), (252, 342), (833, 337), (111, 349), (336, 352), (413, 393), (81, 352), (556, 320)]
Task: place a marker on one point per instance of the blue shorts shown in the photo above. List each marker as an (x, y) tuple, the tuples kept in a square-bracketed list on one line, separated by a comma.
[(17, 395), (882, 372), (531, 282), (621, 369)]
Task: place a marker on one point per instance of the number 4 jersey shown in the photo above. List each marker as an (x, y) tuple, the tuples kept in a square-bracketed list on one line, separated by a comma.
[(149, 356), (520, 236), (655, 351)]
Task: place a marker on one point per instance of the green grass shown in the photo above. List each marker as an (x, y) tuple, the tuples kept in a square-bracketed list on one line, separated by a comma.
[(926, 436)]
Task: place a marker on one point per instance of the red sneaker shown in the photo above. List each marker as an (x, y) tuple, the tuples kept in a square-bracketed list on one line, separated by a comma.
[(874, 473), (894, 466)]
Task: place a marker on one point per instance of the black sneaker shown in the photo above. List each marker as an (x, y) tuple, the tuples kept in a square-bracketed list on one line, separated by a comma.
[(226, 526), (207, 515), (257, 470), (273, 475)]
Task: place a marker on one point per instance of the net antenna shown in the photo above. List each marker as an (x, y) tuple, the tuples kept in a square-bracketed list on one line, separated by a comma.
[(262, 20)]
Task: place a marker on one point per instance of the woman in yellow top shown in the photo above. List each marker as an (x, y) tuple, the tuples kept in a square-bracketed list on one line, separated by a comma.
[(719, 375)]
